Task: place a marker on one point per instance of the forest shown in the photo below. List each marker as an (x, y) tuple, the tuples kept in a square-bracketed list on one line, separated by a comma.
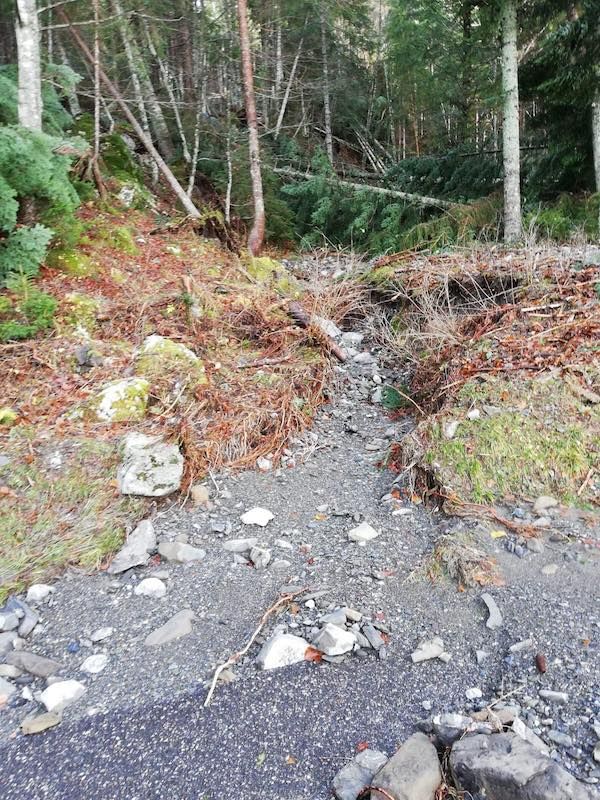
[(373, 125)]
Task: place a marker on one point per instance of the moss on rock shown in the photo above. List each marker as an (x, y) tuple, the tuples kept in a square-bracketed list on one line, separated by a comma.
[(121, 401), (167, 364), (268, 270)]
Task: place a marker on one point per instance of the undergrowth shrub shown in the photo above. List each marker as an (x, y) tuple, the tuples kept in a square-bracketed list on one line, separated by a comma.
[(26, 311)]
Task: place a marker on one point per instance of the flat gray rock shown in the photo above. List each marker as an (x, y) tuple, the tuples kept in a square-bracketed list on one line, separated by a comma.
[(136, 550), (179, 625), (32, 663), (353, 778), (333, 641), (505, 767), (413, 772), (7, 689), (39, 723), (180, 552), (494, 619), (6, 642), (239, 545)]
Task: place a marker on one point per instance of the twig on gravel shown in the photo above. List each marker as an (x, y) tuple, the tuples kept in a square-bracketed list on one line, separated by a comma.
[(282, 601)]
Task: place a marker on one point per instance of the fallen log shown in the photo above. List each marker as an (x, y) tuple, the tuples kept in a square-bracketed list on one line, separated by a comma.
[(305, 320), (418, 199)]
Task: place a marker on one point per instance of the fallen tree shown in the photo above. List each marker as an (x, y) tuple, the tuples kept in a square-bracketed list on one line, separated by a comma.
[(419, 199)]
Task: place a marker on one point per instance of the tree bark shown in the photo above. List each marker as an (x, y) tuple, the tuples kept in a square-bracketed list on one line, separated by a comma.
[(596, 137), (257, 234), (326, 95), (140, 132), (27, 32), (510, 126)]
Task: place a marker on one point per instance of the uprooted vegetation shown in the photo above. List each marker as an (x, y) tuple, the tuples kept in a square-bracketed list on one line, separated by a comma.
[(504, 349), (252, 380)]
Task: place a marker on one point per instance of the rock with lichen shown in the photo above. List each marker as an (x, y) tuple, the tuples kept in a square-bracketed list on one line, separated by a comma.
[(120, 401), (169, 364)]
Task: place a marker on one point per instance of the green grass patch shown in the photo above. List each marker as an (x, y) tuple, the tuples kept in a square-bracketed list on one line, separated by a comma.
[(56, 516), (534, 437)]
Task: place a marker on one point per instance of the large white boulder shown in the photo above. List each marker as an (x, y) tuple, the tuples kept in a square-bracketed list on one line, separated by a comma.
[(151, 467)]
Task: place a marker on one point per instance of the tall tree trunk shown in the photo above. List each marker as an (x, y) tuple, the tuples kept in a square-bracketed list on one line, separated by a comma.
[(27, 32), (140, 132), (326, 95), (71, 94), (510, 126), (168, 88), (466, 101), (596, 137), (288, 89), (257, 234)]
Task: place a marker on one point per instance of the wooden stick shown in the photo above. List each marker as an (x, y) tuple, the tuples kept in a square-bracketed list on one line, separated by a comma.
[(299, 314), (283, 600)]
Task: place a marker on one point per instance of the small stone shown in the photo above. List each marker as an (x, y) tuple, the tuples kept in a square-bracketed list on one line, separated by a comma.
[(427, 705), (239, 545), (596, 753), (413, 772), (535, 545), (9, 671), (352, 614), (373, 636), (473, 414), (136, 550), (560, 698), (39, 593), (179, 625), (450, 727), (542, 522), (61, 694), (518, 647), (94, 664), (7, 641), (363, 533), (39, 723), (257, 516), (264, 464), (151, 587), (481, 656), (9, 621), (337, 617), (6, 690), (474, 693), (200, 495), (32, 663), (543, 503), (428, 649), (354, 776), (180, 552), (562, 739), (550, 569), (283, 544), (495, 617), (260, 557), (333, 641), (101, 634), (282, 650), (450, 428)]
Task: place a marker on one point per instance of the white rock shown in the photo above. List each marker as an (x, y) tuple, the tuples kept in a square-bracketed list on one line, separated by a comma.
[(62, 694), (450, 428), (260, 557), (543, 503), (7, 690), (352, 338), (428, 649), (363, 533), (151, 587), (264, 464), (257, 516), (494, 619), (161, 344), (179, 625), (94, 664), (136, 550), (474, 693), (281, 650), (39, 593), (239, 545), (561, 698), (473, 414), (328, 326), (180, 552), (101, 634), (364, 358), (122, 400), (333, 641), (151, 467)]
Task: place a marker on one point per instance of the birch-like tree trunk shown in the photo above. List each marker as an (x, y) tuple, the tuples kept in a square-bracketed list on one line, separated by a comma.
[(257, 234), (596, 137), (510, 125), (27, 32), (326, 95), (288, 89)]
